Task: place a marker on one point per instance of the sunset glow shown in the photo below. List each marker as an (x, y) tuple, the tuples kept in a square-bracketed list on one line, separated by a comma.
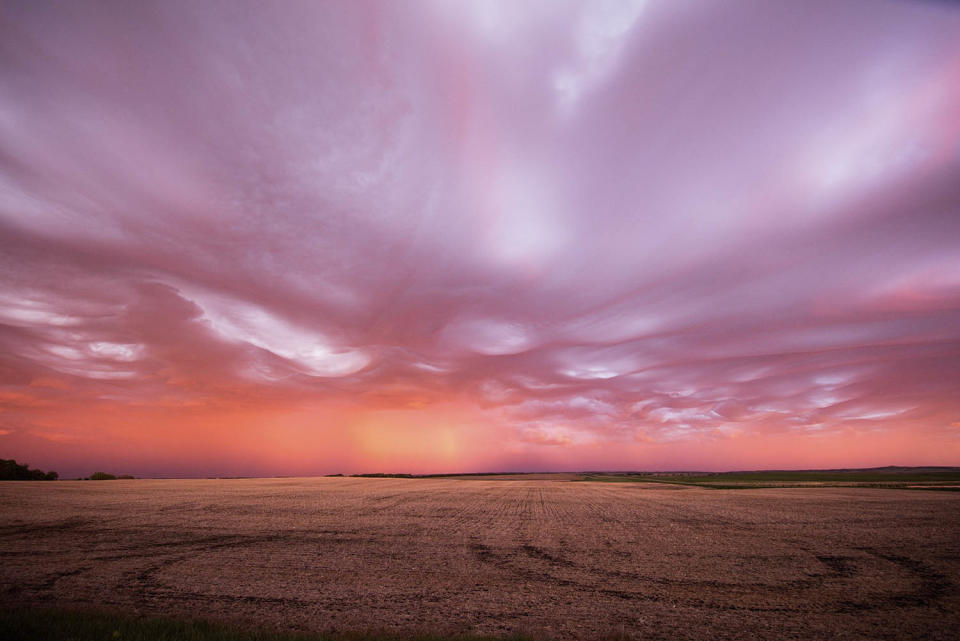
[(334, 237)]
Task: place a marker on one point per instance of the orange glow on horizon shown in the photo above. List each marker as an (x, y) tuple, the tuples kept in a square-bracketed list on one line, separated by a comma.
[(322, 439)]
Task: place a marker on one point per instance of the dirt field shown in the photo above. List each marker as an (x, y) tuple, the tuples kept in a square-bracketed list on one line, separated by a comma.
[(553, 559)]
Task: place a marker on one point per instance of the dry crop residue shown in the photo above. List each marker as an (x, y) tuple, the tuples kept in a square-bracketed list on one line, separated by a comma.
[(569, 560)]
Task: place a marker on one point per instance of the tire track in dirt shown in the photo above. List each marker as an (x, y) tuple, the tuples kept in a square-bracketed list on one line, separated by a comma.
[(495, 556), (56, 527), (47, 583), (933, 585), (144, 586), (556, 569)]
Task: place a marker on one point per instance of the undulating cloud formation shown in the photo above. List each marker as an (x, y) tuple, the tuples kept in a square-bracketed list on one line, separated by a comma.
[(311, 237)]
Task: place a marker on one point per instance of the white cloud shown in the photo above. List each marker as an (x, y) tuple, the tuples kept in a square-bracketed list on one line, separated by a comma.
[(490, 336), (598, 39), (311, 352)]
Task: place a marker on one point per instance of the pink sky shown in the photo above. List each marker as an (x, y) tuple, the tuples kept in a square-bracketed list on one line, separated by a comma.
[(242, 238)]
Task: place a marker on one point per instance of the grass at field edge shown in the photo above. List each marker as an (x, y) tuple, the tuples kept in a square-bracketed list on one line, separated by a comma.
[(67, 624), (777, 486)]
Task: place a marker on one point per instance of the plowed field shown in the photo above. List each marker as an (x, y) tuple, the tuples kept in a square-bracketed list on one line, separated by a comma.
[(548, 558)]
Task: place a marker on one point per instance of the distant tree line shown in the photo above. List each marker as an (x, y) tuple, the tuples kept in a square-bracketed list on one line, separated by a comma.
[(382, 475), (10, 470), (103, 476)]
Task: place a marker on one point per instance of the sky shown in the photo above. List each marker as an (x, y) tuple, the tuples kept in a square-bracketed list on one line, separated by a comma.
[(258, 238)]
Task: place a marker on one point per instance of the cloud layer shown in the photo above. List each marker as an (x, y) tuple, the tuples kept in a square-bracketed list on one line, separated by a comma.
[(436, 235)]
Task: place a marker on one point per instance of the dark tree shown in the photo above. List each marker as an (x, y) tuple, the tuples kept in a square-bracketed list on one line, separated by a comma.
[(10, 470)]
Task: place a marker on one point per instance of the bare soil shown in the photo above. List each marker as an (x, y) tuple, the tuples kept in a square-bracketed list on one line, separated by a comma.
[(551, 559)]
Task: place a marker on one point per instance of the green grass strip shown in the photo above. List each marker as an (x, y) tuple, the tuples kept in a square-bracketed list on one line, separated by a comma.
[(56, 624)]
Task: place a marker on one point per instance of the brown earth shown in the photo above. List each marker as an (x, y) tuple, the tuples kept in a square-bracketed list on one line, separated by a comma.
[(570, 560)]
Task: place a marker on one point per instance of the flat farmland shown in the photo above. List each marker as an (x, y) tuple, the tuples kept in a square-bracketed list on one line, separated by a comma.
[(547, 558)]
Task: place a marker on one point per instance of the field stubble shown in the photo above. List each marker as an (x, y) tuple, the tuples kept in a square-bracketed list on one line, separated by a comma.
[(551, 559)]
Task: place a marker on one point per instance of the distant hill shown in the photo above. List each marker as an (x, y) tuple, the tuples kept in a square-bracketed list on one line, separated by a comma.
[(891, 476), (888, 469)]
